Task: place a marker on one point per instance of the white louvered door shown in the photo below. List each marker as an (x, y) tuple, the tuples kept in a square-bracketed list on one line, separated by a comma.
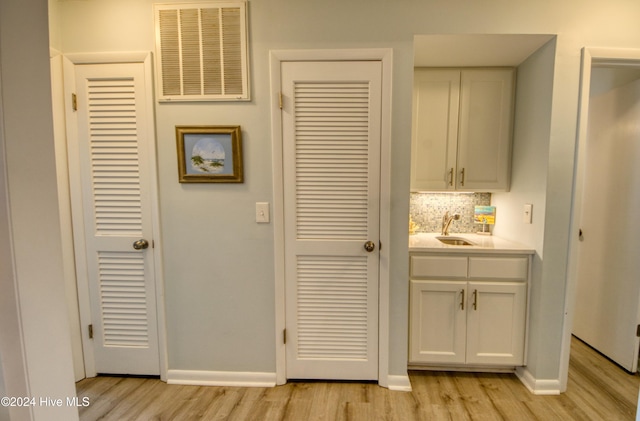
[(113, 140), (331, 165)]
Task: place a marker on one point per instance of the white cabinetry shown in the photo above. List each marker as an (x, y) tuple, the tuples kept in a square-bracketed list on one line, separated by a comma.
[(468, 310), (462, 123)]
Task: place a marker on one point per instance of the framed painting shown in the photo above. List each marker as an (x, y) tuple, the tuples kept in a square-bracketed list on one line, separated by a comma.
[(209, 154)]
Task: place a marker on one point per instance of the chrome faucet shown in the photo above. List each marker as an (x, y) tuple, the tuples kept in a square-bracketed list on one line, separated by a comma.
[(446, 221)]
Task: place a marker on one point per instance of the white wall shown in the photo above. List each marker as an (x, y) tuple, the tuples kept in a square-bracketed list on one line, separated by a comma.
[(219, 263), (35, 344), (55, 37), (4, 411), (11, 349), (532, 125), (530, 153), (604, 79)]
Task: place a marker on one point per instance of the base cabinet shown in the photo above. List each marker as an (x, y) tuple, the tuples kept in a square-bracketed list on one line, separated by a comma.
[(496, 323), (438, 322), (469, 322)]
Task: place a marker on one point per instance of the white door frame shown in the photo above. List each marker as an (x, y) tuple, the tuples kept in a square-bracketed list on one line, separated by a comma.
[(64, 203), (612, 57), (385, 56), (70, 60)]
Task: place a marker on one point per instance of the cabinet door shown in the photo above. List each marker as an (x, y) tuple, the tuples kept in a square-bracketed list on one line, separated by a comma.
[(438, 322), (496, 321), (435, 129), (484, 138)]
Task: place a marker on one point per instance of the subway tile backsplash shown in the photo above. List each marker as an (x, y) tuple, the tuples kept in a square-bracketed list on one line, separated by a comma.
[(427, 209)]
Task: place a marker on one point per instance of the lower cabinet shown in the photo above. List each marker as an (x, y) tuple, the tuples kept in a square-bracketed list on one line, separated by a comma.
[(466, 321), (438, 322)]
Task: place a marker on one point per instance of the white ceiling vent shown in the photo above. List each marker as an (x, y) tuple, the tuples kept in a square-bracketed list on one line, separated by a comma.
[(201, 51)]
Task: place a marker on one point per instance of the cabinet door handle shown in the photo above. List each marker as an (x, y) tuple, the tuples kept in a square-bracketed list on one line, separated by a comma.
[(462, 177), (475, 299), (451, 176), (462, 299)]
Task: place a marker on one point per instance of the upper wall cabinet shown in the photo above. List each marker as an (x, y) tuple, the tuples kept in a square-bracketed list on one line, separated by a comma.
[(201, 51), (462, 124)]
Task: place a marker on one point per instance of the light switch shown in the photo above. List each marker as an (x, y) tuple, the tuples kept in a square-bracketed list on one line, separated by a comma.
[(262, 212), (527, 216)]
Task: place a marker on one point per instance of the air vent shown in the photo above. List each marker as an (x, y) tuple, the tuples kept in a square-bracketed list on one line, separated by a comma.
[(201, 51)]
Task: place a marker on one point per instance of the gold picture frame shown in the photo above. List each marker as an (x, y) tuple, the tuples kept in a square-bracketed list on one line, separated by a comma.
[(209, 154)]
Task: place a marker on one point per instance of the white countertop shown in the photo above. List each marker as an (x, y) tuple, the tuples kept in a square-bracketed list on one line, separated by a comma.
[(427, 242)]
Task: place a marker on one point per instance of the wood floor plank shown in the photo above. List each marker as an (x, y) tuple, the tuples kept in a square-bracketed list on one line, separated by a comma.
[(164, 405), (597, 390), (145, 396), (223, 407), (111, 401)]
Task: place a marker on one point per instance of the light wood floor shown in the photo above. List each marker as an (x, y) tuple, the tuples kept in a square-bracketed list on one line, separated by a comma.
[(598, 390)]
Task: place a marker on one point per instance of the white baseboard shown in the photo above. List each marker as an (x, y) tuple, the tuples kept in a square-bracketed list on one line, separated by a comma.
[(538, 386), (254, 379), (394, 382), (221, 378), (399, 383)]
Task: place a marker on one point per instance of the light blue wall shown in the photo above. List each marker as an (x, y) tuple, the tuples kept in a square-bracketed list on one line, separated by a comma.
[(219, 262)]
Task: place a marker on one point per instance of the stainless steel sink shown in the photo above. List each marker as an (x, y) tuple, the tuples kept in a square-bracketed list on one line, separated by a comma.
[(454, 241)]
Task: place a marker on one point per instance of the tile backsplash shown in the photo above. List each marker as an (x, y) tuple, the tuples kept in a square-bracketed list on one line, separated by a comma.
[(427, 209)]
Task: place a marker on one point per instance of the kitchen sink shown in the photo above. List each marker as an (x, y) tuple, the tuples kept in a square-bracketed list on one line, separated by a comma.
[(455, 241)]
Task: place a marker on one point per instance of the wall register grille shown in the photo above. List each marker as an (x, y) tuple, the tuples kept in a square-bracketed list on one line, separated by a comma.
[(201, 51)]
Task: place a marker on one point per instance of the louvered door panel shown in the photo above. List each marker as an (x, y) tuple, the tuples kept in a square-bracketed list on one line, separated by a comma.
[(201, 51), (123, 299), (114, 156), (113, 138), (332, 307), (331, 141), (331, 128)]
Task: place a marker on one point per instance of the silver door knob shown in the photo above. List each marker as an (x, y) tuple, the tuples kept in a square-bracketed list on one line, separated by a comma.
[(140, 244), (369, 246)]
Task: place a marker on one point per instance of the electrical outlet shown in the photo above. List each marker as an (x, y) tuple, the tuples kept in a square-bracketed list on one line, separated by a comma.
[(527, 216), (262, 212)]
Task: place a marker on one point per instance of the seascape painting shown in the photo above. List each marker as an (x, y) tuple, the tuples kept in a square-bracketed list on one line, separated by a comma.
[(209, 154)]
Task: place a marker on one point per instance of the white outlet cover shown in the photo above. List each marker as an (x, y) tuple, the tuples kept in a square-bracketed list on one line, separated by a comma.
[(262, 212), (527, 215)]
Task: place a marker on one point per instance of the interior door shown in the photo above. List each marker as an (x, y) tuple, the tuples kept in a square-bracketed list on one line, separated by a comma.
[(608, 292), (331, 164), (114, 175)]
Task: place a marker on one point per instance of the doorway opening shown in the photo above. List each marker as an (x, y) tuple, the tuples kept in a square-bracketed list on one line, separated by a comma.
[(285, 214), (112, 191), (604, 71)]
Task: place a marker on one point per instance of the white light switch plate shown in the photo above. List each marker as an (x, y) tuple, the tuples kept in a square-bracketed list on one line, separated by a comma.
[(527, 215), (262, 212)]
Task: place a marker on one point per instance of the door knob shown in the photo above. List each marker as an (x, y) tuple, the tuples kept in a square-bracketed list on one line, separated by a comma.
[(369, 246), (140, 244)]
